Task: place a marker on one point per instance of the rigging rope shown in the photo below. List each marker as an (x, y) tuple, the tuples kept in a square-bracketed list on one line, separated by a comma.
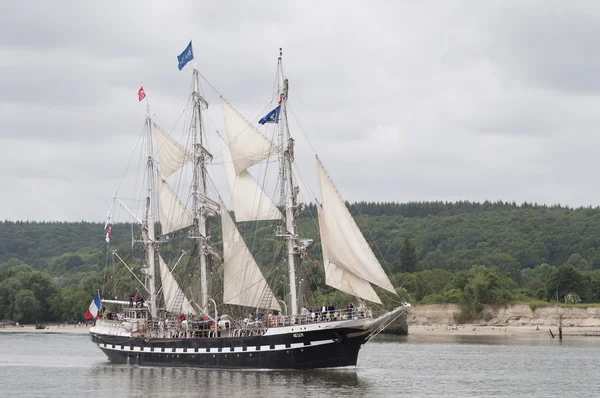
[(130, 159)]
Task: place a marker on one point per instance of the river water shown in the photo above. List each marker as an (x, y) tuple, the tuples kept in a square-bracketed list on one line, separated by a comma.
[(52, 365)]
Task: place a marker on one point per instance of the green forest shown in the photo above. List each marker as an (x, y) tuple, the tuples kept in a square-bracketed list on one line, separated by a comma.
[(465, 253)]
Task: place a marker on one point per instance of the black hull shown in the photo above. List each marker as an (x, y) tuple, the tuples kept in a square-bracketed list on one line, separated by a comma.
[(307, 350)]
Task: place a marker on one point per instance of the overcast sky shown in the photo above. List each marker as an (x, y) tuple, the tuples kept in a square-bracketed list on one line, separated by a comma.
[(402, 100)]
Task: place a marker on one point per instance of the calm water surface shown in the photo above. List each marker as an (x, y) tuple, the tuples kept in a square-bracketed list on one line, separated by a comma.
[(49, 365)]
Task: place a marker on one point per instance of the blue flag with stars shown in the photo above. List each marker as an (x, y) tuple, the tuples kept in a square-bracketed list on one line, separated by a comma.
[(271, 117), (186, 56)]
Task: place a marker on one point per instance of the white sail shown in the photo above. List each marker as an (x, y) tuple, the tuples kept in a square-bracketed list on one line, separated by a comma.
[(175, 299), (344, 246), (249, 201), (173, 213), (243, 282), (246, 144), (347, 282), (171, 155)]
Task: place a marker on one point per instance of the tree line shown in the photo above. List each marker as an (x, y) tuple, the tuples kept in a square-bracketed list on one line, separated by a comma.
[(438, 252)]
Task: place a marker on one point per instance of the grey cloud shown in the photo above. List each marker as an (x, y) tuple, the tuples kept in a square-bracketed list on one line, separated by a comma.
[(549, 43), (403, 101)]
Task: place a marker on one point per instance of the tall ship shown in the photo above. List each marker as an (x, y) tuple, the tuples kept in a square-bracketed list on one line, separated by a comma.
[(209, 293)]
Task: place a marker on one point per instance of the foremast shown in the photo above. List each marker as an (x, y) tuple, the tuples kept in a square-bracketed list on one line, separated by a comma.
[(286, 157), (150, 218), (199, 210)]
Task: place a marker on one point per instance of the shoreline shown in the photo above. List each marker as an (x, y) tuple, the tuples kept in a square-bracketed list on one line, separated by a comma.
[(57, 329), (504, 320), (491, 330), (413, 330), (438, 319)]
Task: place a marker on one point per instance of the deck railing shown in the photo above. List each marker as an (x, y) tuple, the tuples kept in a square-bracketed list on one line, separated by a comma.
[(246, 327)]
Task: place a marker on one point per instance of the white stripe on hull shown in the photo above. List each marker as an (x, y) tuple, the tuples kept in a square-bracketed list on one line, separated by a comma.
[(215, 350), (310, 327)]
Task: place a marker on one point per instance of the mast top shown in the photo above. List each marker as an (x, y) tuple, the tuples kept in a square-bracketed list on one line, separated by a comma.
[(283, 88)]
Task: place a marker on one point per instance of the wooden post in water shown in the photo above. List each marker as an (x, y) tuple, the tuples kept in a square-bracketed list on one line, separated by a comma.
[(560, 317)]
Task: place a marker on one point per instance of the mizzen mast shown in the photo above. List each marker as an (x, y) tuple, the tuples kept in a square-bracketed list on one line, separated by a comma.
[(286, 157)]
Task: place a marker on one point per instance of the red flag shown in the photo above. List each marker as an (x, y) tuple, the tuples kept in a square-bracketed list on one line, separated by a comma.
[(109, 233), (141, 94)]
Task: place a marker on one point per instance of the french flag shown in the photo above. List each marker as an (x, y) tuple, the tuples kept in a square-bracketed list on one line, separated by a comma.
[(95, 307)]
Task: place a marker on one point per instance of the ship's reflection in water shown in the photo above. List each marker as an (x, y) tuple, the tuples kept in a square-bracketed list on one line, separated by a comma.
[(230, 383), (45, 365)]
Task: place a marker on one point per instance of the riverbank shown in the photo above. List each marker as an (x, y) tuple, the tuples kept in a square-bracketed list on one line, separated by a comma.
[(479, 330), (459, 330), (68, 329), (438, 319), (509, 320)]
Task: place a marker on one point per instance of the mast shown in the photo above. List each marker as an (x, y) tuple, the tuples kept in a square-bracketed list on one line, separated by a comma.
[(286, 157), (150, 248), (199, 188)]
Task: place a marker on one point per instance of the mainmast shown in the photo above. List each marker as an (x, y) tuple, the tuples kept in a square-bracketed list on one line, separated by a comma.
[(150, 247), (286, 157), (201, 156)]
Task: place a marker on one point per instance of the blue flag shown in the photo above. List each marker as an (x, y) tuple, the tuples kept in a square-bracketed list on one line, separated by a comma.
[(271, 117), (186, 56)]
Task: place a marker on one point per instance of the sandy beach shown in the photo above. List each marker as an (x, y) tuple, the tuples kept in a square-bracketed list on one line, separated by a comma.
[(459, 330), (437, 319), (69, 329), (484, 330), (505, 320)]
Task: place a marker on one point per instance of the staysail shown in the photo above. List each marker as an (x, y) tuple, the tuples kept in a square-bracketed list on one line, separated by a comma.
[(173, 213), (347, 282), (175, 299), (350, 264), (249, 201), (171, 155), (243, 282), (246, 144)]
